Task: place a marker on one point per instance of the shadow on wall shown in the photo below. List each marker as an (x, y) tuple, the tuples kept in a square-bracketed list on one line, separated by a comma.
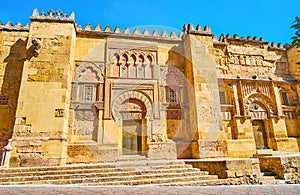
[(180, 110), (11, 86)]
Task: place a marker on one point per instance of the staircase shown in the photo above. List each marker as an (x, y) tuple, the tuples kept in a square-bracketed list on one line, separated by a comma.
[(268, 177), (128, 170)]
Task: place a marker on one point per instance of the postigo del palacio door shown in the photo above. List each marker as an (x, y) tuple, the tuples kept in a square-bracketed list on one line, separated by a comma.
[(134, 136)]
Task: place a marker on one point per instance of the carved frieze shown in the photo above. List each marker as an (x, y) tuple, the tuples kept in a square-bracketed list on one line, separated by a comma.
[(256, 87), (243, 59)]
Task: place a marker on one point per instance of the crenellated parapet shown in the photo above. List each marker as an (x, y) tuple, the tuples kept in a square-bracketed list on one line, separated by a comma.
[(189, 29), (10, 27), (51, 15), (136, 32), (223, 40)]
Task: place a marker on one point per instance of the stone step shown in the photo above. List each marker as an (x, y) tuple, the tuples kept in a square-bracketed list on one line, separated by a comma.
[(275, 181), (122, 172), (131, 158), (172, 166), (197, 183), (58, 168), (268, 178), (107, 175), (104, 171), (165, 162), (265, 151), (164, 182), (147, 163), (268, 173), (122, 180), (261, 155)]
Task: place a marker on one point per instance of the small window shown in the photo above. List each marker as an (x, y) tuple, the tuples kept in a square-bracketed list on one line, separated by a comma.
[(88, 93), (222, 98), (173, 98), (284, 97), (3, 99)]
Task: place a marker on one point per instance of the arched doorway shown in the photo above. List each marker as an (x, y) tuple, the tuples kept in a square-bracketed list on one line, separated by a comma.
[(134, 132), (259, 115)]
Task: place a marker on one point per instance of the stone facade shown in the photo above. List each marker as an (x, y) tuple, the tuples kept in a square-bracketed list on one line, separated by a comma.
[(81, 95)]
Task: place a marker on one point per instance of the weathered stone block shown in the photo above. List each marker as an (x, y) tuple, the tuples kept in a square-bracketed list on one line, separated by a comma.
[(245, 170), (241, 148), (162, 150), (92, 153), (283, 167)]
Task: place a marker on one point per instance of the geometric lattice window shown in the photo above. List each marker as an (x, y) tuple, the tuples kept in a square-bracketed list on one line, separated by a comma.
[(3, 99), (88, 93), (172, 95), (222, 98), (284, 98)]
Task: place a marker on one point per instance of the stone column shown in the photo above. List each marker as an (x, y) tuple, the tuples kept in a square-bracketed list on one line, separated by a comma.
[(277, 99), (236, 100), (100, 138)]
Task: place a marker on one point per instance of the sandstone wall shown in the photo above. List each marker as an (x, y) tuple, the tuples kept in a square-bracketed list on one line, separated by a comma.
[(13, 41), (40, 129)]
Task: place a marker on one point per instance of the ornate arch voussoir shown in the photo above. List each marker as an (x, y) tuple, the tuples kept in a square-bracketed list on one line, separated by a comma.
[(261, 99), (127, 95)]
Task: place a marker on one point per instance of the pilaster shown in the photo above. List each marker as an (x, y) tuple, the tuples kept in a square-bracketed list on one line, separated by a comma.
[(205, 112)]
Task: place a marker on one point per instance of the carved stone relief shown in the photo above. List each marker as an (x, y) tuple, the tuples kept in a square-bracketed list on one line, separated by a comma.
[(169, 75), (254, 87), (132, 110), (87, 90), (259, 103), (258, 111), (89, 71), (86, 121)]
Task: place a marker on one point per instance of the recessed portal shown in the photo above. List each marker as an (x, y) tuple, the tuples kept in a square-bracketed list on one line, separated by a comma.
[(132, 137), (259, 133)]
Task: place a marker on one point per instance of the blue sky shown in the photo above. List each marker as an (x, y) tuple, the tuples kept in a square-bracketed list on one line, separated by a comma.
[(270, 19)]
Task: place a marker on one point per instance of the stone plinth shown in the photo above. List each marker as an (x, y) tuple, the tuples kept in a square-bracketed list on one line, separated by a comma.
[(210, 149), (243, 148), (92, 153), (162, 150), (183, 149)]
